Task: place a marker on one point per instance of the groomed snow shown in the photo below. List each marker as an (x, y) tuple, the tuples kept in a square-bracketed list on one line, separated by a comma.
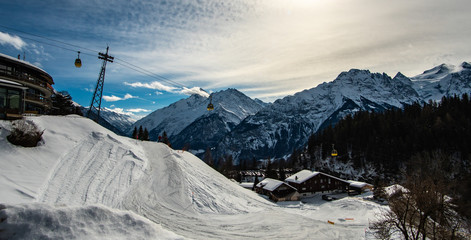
[(86, 182)]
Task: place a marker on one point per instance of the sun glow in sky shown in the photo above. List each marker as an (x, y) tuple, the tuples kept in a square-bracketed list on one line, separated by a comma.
[(266, 48)]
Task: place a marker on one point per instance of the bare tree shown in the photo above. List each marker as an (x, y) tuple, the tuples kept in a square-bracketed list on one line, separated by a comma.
[(421, 210)]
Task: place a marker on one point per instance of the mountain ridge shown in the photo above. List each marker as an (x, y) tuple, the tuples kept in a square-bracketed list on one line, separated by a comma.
[(276, 129)]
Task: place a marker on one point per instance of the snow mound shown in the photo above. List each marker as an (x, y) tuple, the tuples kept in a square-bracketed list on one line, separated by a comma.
[(41, 221), (104, 176)]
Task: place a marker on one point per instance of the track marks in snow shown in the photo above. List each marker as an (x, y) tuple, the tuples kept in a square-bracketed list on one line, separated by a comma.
[(99, 169)]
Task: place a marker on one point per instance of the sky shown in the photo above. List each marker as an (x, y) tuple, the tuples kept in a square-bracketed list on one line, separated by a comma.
[(268, 49)]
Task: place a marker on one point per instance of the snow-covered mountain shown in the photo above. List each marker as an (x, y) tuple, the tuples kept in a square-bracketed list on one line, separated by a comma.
[(188, 121), (287, 124), (443, 80)]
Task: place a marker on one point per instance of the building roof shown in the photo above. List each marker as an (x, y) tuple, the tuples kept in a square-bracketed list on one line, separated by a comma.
[(357, 184), (305, 175), (246, 184), (301, 176), (271, 184), (27, 64), (8, 83)]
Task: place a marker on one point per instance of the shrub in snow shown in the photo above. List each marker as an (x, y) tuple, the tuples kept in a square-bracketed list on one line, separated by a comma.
[(25, 133)]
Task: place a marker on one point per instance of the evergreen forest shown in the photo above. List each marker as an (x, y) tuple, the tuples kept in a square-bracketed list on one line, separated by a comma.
[(389, 139)]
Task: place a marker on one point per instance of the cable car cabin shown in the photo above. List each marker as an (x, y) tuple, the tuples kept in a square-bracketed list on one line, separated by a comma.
[(334, 153), (78, 63), (210, 107)]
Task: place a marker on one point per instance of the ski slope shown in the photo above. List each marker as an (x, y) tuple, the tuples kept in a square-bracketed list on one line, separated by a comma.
[(83, 176)]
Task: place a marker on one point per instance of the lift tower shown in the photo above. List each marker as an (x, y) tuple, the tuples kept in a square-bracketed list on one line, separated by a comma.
[(95, 105)]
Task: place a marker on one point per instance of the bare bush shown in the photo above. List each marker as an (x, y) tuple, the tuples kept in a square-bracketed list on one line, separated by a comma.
[(25, 133)]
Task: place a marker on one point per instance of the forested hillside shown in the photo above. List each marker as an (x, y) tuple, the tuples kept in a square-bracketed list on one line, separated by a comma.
[(395, 142), (388, 139)]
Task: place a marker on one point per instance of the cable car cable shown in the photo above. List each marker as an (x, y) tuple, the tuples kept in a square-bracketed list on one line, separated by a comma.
[(126, 63)]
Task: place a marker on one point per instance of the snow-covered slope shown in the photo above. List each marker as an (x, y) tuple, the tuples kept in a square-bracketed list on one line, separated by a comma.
[(41, 221), (443, 80), (287, 124), (88, 178)]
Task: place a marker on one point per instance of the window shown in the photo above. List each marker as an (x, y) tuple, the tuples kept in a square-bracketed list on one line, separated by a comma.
[(3, 97), (14, 99)]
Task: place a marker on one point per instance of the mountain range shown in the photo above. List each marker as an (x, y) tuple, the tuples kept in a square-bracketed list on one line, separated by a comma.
[(246, 128)]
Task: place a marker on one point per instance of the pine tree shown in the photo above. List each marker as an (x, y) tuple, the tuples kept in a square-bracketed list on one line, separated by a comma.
[(253, 164), (208, 157), (282, 173), (62, 104), (134, 133), (145, 135), (270, 172), (140, 133), (228, 166), (165, 139)]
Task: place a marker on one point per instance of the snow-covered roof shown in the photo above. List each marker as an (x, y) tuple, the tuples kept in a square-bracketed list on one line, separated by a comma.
[(271, 184), (301, 176), (9, 83), (342, 180), (246, 184), (357, 184)]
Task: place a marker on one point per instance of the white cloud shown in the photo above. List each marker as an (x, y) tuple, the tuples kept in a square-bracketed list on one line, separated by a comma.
[(15, 41), (159, 86), (295, 44), (153, 85), (138, 110), (130, 112), (114, 98), (194, 90)]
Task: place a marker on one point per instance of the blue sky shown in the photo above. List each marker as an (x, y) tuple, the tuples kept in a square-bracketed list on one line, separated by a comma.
[(265, 48)]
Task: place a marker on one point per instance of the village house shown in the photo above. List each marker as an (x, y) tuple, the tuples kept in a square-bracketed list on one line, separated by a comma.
[(277, 190), (356, 187), (310, 182)]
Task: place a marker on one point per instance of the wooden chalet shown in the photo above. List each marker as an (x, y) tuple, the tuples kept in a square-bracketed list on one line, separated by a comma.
[(359, 187), (277, 190), (310, 182)]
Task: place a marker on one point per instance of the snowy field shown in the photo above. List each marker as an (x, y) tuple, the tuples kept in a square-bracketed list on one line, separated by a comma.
[(85, 182)]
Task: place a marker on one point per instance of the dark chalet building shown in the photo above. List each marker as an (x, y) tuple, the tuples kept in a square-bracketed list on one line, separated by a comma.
[(308, 182)]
